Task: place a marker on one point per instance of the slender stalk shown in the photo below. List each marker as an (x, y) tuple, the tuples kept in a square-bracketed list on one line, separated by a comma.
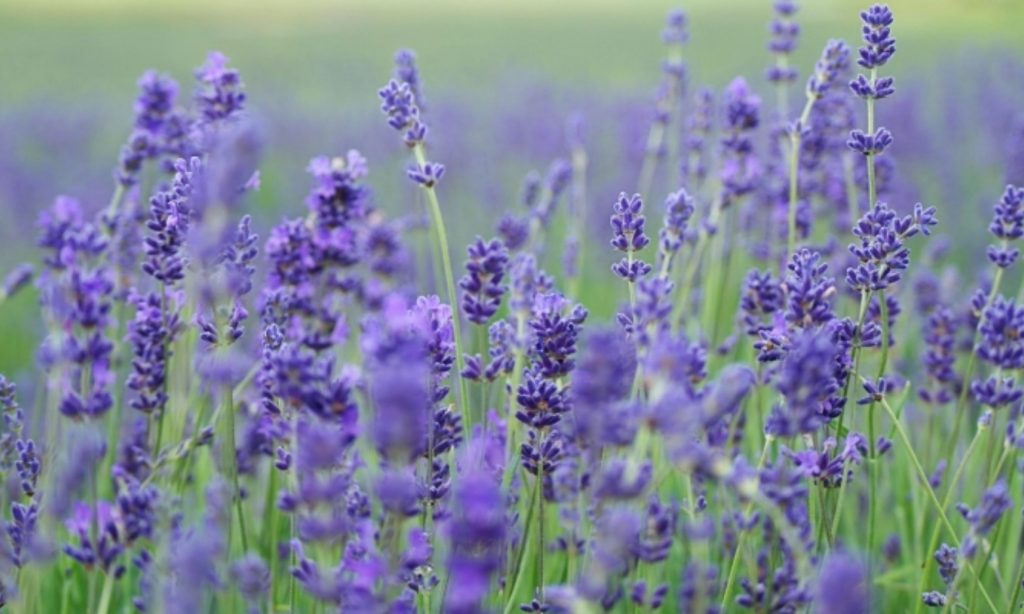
[(872, 189), (741, 542), (851, 188), (519, 363), (883, 307), (997, 280), (1018, 580), (441, 236), (795, 138), (578, 221), (839, 500), (659, 129), (931, 492), (108, 589), (683, 295), (228, 451), (540, 528), (517, 574)]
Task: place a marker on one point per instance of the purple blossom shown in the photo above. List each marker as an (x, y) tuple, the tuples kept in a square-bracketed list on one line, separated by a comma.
[(1007, 225), (808, 290), (762, 298), (807, 385), (842, 586), (879, 46), (740, 168), (834, 61), (154, 110), (220, 94), (881, 251), (784, 34), (482, 285), (476, 533), (427, 174), (398, 102), (407, 72), (628, 236), (678, 211)]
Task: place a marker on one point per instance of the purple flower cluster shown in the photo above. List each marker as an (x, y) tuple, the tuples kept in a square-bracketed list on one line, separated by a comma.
[(784, 34), (878, 49), (481, 286), (628, 236), (740, 169), (354, 453)]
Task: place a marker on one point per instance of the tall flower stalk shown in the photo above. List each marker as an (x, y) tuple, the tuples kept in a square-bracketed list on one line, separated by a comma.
[(398, 102), (833, 60)]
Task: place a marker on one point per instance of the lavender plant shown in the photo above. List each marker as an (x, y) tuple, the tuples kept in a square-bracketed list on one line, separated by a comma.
[(297, 423)]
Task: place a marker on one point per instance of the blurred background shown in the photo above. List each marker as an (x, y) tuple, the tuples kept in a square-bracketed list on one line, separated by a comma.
[(500, 79)]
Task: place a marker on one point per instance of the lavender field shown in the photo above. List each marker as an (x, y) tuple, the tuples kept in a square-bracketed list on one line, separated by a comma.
[(696, 309)]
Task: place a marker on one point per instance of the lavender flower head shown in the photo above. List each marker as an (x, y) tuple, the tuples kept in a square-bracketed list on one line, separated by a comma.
[(220, 94), (407, 72), (784, 34), (740, 169), (476, 533), (678, 211), (154, 109), (879, 47), (808, 290), (398, 102), (482, 284), (807, 383), (881, 250), (842, 586), (1007, 225), (833, 61), (628, 236)]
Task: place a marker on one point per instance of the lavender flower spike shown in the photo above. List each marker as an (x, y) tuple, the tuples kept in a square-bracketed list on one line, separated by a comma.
[(628, 236), (482, 285)]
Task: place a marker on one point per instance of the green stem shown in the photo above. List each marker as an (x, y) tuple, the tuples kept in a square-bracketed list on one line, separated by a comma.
[(437, 222), (108, 589), (933, 543), (734, 564), (872, 193), (839, 500), (851, 188), (997, 280), (517, 574), (931, 492), (228, 451), (795, 138)]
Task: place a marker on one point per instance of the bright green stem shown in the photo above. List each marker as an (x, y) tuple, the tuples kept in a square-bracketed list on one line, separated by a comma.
[(741, 542), (997, 281), (839, 500), (933, 543), (578, 221), (683, 295), (851, 188), (228, 447), (656, 135), (519, 363), (540, 530), (441, 236), (517, 574), (931, 492), (872, 189), (1018, 580), (862, 313), (794, 171), (883, 307), (108, 590)]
